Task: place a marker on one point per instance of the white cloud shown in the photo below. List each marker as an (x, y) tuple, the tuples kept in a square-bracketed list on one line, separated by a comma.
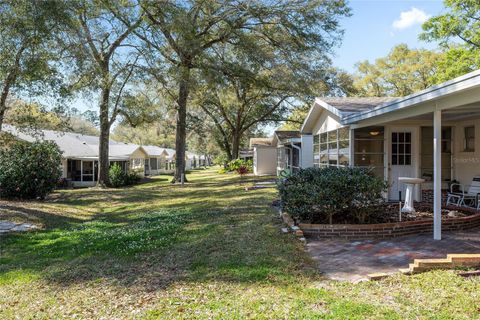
[(410, 18)]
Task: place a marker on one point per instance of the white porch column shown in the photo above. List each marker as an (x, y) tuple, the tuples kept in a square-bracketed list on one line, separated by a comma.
[(306, 151), (437, 174)]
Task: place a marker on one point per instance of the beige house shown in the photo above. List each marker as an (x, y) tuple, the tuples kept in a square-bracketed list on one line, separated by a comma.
[(264, 156), (80, 154), (156, 161), (433, 134)]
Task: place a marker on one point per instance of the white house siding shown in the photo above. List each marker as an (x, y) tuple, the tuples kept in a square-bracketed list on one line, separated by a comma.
[(137, 162), (324, 123), (264, 160), (466, 164)]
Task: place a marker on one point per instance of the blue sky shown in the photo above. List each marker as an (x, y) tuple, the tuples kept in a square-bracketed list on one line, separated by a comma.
[(377, 26)]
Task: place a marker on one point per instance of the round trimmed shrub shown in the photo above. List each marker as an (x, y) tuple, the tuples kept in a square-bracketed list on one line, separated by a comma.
[(119, 178), (29, 170), (332, 195)]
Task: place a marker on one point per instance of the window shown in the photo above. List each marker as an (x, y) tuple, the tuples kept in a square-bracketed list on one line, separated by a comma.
[(469, 142), (401, 148), (153, 163), (426, 156), (332, 148), (137, 163), (87, 174), (369, 149)]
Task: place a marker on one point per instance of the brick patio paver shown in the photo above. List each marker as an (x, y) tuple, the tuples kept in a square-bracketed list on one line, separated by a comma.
[(353, 260)]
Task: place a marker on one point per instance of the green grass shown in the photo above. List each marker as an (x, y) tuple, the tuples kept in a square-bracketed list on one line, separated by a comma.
[(207, 250)]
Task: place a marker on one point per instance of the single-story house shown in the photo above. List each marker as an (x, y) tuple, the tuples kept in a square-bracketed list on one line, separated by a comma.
[(170, 160), (288, 148), (282, 152), (80, 154), (432, 134), (156, 162), (264, 156)]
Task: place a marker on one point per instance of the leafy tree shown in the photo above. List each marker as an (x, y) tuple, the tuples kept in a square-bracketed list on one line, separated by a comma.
[(456, 61), (104, 60), (184, 35), (27, 50), (402, 72), (460, 22), (296, 118), (34, 116)]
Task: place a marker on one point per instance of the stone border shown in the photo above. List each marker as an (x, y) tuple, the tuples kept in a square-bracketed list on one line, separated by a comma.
[(381, 230)]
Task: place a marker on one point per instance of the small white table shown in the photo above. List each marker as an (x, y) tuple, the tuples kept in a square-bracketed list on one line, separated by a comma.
[(410, 183)]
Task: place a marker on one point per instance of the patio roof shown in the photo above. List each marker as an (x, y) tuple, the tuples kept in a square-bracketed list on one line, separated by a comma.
[(371, 110)]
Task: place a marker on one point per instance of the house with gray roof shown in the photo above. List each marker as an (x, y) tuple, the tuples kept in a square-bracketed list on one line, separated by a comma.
[(433, 134), (80, 153)]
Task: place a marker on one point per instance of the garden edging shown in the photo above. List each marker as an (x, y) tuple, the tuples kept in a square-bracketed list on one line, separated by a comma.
[(381, 230)]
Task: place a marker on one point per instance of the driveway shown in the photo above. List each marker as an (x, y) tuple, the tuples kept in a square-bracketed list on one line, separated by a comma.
[(351, 260)]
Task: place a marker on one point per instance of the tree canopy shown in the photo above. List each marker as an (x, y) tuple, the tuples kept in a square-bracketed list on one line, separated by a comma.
[(402, 72), (27, 50), (458, 32)]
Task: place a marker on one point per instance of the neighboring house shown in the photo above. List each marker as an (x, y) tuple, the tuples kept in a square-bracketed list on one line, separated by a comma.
[(80, 154), (264, 156), (282, 152), (433, 134), (170, 160), (156, 163), (288, 148), (190, 160)]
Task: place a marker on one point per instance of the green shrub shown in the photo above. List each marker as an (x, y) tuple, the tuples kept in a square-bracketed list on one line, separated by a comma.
[(119, 178), (29, 170), (332, 195), (116, 176), (235, 165)]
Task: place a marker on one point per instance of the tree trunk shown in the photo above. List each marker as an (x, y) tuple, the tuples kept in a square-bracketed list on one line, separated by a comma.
[(103, 163), (3, 97), (180, 137), (2, 114), (236, 137)]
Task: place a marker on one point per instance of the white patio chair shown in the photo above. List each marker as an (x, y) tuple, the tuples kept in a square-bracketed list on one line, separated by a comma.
[(468, 198)]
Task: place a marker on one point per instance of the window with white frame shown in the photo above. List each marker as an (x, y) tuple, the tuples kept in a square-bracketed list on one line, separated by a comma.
[(332, 148), (469, 139)]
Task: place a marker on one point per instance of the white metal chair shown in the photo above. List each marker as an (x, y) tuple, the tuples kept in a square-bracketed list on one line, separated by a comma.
[(469, 198)]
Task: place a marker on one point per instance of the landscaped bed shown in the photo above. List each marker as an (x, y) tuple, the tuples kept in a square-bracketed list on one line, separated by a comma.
[(348, 203)]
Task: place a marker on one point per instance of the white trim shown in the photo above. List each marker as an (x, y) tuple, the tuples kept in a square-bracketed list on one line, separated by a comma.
[(468, 81), (437, 172)]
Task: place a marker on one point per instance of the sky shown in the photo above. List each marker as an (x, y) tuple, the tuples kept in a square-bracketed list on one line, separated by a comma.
[(375, 27)]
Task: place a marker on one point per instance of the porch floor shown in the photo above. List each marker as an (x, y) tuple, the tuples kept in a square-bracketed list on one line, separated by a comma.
[(349, 260)]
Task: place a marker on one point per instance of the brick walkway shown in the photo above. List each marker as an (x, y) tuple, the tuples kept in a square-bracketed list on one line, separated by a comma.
[(353, 260)]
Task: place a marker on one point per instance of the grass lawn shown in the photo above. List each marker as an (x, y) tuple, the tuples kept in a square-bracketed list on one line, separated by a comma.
[(207, 250)]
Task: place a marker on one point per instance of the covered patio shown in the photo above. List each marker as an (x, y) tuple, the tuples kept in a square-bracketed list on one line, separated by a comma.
[(433, 134)]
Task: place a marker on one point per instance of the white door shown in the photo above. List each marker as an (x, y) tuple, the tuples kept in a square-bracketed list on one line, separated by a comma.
[(401, 161)]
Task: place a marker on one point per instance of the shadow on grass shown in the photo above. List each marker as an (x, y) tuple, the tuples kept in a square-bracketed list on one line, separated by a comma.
[(199, 234), (46, 219)]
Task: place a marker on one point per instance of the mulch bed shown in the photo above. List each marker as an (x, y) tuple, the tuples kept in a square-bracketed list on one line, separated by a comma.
[(389, 212)]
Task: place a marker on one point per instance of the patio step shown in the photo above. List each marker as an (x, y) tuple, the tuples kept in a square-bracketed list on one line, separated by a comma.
[(452, 261)]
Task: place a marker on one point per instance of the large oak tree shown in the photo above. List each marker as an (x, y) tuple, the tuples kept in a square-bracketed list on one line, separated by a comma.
[(104, 60), (183, 35)]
